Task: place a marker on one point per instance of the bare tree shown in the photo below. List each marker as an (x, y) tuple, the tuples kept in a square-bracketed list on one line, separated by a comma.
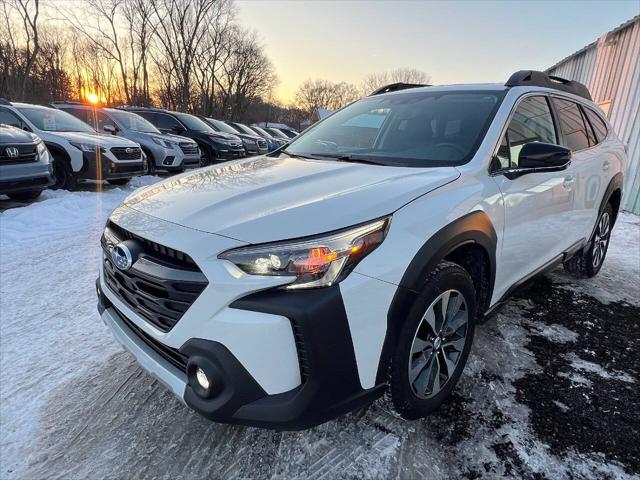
[(19, 48), (399, 75), (325, 94), (182, 27)]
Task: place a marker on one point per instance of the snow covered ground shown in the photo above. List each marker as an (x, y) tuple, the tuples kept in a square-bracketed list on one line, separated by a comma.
[(551, 389)]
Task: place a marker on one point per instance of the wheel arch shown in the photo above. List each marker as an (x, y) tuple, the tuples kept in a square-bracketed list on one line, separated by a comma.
[(613, 195), (454, 242)]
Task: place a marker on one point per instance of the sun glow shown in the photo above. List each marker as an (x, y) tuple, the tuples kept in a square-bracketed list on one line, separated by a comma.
[(92, 98)]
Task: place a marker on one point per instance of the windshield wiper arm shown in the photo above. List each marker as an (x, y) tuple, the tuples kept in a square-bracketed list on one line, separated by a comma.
[(353, 159)]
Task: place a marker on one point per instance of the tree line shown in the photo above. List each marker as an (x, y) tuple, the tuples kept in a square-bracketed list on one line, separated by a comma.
[(186, 55)]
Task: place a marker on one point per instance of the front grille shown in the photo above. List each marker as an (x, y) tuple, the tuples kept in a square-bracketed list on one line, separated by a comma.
[(170, 354), (127, 153), (189, 148), (160, 286), (262, 143), (26, 153)]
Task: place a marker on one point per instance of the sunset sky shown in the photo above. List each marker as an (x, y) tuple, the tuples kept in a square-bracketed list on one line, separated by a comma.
[(453, 42)]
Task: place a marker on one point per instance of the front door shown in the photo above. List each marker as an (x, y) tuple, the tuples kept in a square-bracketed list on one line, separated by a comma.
[(537, 206)]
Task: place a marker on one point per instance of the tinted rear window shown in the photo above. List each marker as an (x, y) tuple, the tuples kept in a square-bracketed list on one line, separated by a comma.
[(597, 123), (572, 124)]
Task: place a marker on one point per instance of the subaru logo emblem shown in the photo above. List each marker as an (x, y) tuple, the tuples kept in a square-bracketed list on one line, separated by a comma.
[(129, 150), (12, 152), (121, 256)]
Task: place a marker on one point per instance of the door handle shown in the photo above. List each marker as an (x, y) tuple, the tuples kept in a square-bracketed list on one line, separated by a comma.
[(568, 182), (605, 166)]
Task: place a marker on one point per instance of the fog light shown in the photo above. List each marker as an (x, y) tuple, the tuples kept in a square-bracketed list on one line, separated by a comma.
[(202, 379)]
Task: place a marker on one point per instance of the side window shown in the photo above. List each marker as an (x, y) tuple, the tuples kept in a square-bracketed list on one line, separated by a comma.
[(9, 118), (80, 114), (98, 119), (590, 135), (531, 122), (166, 121), (572, 124), (150, 116), (599, 127), (503, 157)]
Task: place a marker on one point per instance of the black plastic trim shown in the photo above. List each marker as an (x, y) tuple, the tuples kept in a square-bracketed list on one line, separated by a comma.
[(475, 227), (533, 78)]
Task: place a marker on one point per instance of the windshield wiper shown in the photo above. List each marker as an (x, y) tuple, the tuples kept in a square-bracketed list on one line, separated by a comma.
[(353, 159), (295, 155)]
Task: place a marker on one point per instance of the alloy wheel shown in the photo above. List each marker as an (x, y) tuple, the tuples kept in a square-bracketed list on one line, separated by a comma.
[(601, 240), (438, 344)]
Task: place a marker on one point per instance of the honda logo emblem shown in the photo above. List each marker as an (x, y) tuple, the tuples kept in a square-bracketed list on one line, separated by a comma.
[(12, 152)]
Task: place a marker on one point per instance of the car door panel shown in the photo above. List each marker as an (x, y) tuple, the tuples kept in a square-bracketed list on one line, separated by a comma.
[(537, 205)]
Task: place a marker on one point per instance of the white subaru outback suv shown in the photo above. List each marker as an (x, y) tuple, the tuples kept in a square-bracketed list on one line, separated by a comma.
[(284, 290)]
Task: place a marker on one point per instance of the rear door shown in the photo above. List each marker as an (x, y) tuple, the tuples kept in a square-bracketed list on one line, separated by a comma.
[(537, 205), (577, 134)]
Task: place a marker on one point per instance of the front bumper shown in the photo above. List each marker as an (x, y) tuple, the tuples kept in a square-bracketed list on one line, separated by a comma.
[(330, 385), (24, 177), (231, 153), (102, 165)]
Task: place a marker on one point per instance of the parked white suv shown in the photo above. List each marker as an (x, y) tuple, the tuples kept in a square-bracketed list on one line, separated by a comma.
[(78, 151), (284, 290)]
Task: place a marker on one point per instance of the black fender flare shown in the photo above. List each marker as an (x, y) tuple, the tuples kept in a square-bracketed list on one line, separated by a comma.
[(63, 151), (615, 183), (475, 227)]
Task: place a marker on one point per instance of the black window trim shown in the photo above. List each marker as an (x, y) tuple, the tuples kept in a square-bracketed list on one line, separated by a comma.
[(582, 106), (581, 103)]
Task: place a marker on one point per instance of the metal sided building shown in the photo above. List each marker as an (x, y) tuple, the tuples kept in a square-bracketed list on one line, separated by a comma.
[(610, 67)]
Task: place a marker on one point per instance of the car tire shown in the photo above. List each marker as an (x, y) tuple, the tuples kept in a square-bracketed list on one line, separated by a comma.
[(65, 177), (25, 196), (118, 181), (432, 347), (590, 261)]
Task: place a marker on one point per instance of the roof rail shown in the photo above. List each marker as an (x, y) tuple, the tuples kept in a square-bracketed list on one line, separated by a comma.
[(394, 87), (4, 101), (533, 78)]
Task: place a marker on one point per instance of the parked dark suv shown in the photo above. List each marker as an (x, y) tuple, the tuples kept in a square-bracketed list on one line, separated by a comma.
[(215, 146), (254, 144), (25, 164)]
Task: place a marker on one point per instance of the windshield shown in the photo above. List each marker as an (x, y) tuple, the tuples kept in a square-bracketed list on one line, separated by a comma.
[(262, 132), (222, 127), (131, 121), (193, 123), (54, 120), (417, 129)]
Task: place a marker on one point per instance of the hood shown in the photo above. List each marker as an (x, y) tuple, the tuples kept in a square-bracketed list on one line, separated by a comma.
[(262, 199), (246, 136), (224, 135), (10, 134), (174, 138), (107, 141)]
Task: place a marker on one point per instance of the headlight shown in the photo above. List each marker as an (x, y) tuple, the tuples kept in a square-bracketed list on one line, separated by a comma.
[(163, 143), (315, 262), (42, 151), (85, 147)]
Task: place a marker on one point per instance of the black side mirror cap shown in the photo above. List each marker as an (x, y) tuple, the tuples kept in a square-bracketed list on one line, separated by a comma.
[(544, 155), (538, 157)]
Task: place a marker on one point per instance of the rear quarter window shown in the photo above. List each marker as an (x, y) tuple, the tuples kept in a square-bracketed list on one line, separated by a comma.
[(599, 126)]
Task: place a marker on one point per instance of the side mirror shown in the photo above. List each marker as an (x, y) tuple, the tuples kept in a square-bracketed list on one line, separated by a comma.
[(538, 157), (544, 155), (178, 129), (110, 129)]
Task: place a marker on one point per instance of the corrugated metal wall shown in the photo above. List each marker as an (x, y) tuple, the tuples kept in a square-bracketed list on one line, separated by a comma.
[(610, 67)]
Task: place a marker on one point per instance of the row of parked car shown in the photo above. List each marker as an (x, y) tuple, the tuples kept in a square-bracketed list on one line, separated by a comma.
[(64, 143)]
